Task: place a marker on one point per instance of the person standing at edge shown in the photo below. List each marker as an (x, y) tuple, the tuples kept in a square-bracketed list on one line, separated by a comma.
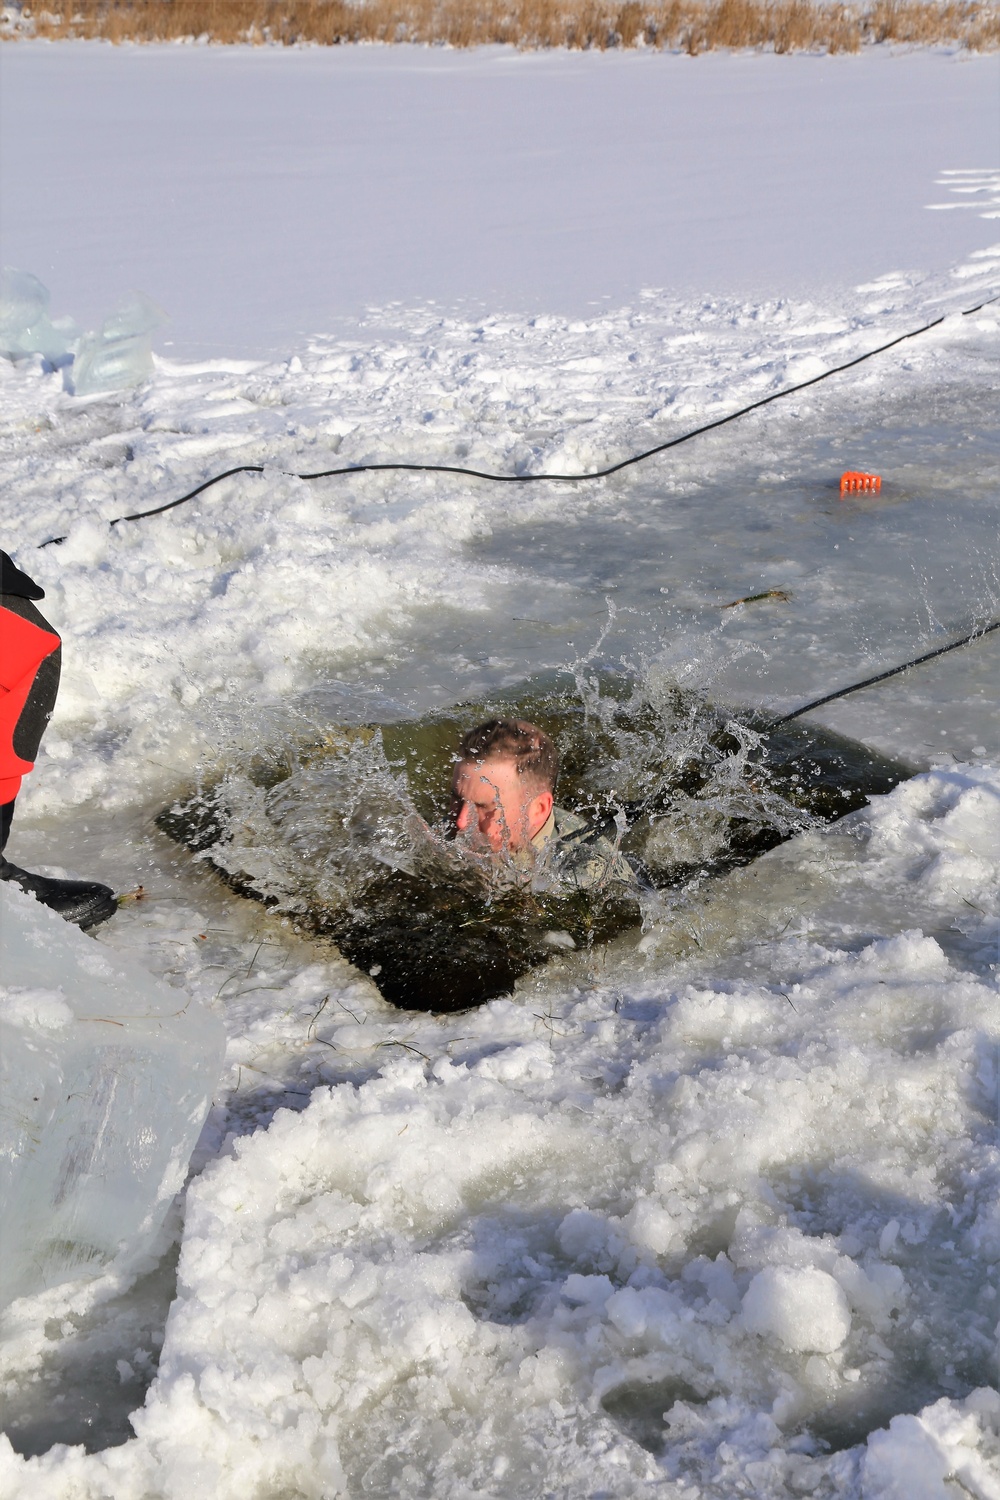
[(30, 659)]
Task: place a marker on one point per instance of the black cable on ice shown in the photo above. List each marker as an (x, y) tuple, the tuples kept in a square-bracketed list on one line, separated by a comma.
[(624, 463), (974, 635)]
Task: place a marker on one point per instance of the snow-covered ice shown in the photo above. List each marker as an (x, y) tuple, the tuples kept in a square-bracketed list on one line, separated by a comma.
[(264, 195), (712, 1211), (754, 1189)]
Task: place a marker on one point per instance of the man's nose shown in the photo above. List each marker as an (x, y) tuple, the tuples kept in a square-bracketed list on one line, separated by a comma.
[(463, 817)]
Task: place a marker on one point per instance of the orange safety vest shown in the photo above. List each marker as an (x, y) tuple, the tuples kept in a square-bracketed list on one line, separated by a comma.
[(23, 648)]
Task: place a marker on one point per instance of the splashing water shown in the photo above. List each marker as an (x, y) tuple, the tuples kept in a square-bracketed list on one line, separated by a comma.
[(346, 833)]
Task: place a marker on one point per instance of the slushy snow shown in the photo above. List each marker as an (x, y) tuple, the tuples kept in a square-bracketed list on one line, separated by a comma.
[(735, 1196), (711, 1211)]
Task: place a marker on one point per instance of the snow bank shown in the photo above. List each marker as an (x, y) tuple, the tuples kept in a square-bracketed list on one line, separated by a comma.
[(950, 1448)]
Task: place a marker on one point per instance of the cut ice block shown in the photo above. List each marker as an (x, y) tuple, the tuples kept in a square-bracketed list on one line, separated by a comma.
[(121, 355), (25, 325), (106, 1076)]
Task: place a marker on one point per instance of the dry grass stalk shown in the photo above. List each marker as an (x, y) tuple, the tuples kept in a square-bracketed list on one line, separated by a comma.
[(692, 25)]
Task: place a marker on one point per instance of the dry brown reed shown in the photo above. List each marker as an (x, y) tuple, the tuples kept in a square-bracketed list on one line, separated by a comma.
[(690, 25)]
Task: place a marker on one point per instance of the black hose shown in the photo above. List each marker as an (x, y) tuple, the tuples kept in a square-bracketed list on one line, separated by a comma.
[(974, 635), (624, 463)]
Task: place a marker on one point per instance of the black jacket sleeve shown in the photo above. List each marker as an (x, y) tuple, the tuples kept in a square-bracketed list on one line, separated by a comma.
[(13, 581)]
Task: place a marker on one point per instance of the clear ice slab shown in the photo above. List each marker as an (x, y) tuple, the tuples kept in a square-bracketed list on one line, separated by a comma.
[(121, 354), (25, 325), (106, 1077)]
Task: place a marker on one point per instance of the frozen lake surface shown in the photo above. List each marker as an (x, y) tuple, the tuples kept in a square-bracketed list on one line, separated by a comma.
[(707, 1212), (264, 195)]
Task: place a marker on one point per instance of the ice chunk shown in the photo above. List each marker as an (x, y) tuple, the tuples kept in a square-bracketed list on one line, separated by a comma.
[(106, 1076), (801, 1307), (121, 355), (25, 325)]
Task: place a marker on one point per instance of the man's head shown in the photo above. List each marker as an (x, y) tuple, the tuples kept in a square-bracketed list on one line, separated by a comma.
[(503, 782)]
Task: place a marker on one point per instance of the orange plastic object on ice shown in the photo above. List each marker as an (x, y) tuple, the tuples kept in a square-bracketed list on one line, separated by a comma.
[(852, 483)]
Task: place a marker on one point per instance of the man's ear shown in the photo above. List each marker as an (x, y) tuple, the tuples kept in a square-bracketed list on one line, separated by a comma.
[(541, 806)]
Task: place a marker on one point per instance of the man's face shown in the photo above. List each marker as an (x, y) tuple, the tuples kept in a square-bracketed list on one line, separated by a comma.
[(490, 798)]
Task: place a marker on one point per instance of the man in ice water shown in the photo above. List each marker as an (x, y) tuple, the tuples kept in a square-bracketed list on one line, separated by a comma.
[(502, 796), (29, 680)]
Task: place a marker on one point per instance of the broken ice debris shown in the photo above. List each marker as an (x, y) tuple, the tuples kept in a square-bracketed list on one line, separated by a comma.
[(106, 1077)]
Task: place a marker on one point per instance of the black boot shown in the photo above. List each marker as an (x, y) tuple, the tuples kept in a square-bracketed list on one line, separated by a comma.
[(81, 901)]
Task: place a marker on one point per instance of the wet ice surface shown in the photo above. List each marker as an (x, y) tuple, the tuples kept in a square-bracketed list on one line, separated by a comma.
[(867, 577), (492, 1251)]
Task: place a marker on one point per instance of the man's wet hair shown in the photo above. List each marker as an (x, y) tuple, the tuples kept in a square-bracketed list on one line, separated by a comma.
[(532, 752)]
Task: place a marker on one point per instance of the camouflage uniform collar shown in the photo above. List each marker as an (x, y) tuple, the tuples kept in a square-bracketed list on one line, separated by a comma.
[(559, 825), (546, 831)]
